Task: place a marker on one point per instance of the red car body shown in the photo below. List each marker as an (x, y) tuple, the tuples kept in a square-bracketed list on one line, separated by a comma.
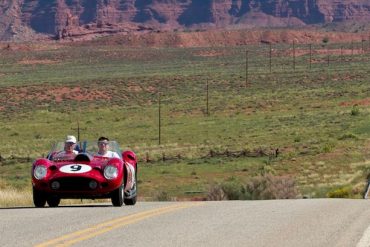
[(85, 176)]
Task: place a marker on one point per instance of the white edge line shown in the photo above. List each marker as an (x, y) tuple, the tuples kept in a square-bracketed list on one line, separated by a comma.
[(365, 240)]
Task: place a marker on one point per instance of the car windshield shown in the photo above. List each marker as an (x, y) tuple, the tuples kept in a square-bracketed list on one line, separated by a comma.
[(90, 147)]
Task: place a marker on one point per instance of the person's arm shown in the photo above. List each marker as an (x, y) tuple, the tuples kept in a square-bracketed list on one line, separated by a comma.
[(60, 153)]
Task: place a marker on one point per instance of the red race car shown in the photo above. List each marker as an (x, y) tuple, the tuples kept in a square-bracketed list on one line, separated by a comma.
[(85, 174)]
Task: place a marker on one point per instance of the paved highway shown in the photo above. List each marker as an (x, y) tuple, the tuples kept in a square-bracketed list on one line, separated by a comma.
[(321, 222)]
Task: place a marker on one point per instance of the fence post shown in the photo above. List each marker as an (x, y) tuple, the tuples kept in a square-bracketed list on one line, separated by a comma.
[(246, 68)]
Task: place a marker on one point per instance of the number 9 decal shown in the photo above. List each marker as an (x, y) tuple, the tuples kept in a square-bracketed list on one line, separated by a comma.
[(75, 168)]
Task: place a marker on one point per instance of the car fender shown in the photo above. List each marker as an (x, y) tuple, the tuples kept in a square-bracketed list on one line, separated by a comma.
[(130, 157)]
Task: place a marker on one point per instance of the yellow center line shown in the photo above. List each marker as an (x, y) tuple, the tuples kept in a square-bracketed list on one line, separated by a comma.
[(95, 230)]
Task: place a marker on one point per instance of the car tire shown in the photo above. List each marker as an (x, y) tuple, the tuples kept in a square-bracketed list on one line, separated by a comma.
[(131, 195), (39, 198), (118, 197), (53, 201), (131, 201)]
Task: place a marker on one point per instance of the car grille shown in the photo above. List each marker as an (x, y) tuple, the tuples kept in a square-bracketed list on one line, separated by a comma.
[(74, 184)]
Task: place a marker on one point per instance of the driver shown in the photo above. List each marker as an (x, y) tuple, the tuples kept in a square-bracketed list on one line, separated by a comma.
[(69, 147), (103, 145)]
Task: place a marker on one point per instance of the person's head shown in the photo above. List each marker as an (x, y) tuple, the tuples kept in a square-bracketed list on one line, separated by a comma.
[(103, 144), (69, 144)]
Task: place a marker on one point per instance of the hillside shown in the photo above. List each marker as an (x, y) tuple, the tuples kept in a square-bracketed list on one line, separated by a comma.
[(84, 19)]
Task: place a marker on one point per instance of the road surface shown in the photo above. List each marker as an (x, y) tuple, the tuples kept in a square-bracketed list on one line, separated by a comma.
[(319, 222)]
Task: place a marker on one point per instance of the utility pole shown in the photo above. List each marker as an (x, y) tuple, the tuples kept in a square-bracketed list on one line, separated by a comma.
[(293, 55), (207, 100), (270, 58), (159, 118), (310, 56), (78, 130)]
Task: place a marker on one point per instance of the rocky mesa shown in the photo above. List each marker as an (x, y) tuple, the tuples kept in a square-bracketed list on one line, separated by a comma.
[(61, 19)]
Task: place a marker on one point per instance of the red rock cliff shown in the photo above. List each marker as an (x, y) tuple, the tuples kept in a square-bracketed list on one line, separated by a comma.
[(65, 18)]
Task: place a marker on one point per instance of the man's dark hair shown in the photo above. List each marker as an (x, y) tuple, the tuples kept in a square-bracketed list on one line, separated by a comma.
[(102, 138)]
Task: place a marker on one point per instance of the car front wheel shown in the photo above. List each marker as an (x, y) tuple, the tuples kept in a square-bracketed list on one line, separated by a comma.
[(53, 201), (39, 198), (118, 197), (130, 196)]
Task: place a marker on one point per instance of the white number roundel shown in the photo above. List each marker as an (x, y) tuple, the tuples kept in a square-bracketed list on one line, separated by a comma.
[(75, 168)]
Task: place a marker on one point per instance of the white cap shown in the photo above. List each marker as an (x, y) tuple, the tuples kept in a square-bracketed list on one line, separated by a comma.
[(71, 139)]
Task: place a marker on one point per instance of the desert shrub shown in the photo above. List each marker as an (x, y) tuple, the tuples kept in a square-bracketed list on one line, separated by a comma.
[(340, 193), (325, 40), (162, 196), (266, 168), (328, 147), (359, 190), (216, 193), (165, 172), (271, 187), (261, 187), (348, 136), (355, 110), (233, 190), (230, 189)]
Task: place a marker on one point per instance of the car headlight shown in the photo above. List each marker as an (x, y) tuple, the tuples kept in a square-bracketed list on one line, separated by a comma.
[(110, 172), (40, 172)]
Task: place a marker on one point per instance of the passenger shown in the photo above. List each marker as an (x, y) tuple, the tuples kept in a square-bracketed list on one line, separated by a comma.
[(69, 148), (103, 145)]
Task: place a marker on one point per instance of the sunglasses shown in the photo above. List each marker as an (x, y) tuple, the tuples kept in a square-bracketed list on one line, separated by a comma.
[(103, 143)]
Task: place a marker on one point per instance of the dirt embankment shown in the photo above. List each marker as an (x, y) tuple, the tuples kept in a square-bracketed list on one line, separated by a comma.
[(231, 38), (209, 38)]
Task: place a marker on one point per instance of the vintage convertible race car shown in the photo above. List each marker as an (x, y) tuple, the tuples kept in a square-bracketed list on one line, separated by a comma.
[(85, 174)]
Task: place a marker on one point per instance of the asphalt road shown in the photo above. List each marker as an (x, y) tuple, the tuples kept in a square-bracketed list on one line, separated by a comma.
[(322, 222)]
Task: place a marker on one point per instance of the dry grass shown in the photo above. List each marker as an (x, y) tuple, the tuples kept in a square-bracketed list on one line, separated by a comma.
[(15, 198)]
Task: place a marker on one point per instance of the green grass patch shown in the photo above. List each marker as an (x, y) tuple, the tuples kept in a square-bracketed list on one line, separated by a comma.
[(310, 123)]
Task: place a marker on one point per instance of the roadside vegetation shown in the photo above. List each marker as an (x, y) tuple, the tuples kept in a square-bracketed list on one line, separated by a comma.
[(296, 122)]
